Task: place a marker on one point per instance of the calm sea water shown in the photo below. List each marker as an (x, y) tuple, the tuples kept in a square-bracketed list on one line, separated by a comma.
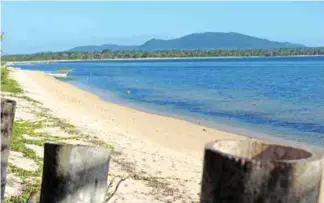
[(279, 96)]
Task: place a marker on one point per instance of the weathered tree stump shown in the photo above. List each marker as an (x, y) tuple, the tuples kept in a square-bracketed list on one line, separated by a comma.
[(74, 173), (250, 171), (8, 108)]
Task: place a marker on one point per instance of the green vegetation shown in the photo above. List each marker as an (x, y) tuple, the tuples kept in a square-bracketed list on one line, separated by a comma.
[(18, 144), (8, 84), (31, 180), (18, 141), (107, 54), (57, 122), (28, 99), (29, 188)]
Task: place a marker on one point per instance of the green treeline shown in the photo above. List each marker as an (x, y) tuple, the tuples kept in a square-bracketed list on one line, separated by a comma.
[(107, 54)]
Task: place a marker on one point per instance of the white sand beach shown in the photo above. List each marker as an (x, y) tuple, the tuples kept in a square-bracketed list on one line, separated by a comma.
[(149, 145)]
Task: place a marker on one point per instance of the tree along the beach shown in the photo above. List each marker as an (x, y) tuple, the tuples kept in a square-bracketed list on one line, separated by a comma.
[(107, 54)]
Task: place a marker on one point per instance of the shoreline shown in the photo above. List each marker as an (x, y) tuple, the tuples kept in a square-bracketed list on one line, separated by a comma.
[(236, 131), (148, 59), (71, 95), (153, 152), (158, 153)]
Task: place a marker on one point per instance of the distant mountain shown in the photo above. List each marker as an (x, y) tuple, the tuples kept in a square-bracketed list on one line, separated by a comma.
[(112, 47), (198, 41)]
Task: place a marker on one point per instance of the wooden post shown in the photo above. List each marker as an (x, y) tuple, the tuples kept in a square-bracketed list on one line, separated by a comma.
[(74, 173), (8, 108), (248, 171)]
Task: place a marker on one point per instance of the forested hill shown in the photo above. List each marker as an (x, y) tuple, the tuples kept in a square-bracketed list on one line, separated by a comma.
[(162, 54), (197, 41)]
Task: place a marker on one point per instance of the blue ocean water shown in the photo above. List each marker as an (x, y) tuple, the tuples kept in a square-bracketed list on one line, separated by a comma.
[(278, 96)]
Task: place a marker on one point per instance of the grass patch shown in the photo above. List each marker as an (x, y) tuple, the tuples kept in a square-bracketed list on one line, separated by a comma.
[(64, 125), (18, 144), (29, 99), (18, 141), (29, 188), (57, 122), (8, 84), (31, 179), (101, 143), (24, 174), (20, 96)]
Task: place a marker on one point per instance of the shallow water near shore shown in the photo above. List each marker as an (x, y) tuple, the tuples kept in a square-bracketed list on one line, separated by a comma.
[(280, 96)]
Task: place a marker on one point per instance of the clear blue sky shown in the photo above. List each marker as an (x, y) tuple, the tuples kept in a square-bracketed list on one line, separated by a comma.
[(54, 26)]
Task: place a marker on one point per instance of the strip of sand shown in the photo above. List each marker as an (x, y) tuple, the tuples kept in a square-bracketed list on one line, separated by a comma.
[(90, 111)]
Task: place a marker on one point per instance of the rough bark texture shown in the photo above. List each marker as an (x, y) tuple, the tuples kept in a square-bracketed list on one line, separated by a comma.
[(74, 173), (255, 172), (8, 108)]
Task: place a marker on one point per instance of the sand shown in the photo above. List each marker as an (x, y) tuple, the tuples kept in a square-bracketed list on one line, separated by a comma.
[(88, 110), (148, 147), (151, 146)]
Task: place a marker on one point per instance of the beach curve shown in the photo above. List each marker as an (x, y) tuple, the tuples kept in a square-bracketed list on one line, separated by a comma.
[(156, 145)]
